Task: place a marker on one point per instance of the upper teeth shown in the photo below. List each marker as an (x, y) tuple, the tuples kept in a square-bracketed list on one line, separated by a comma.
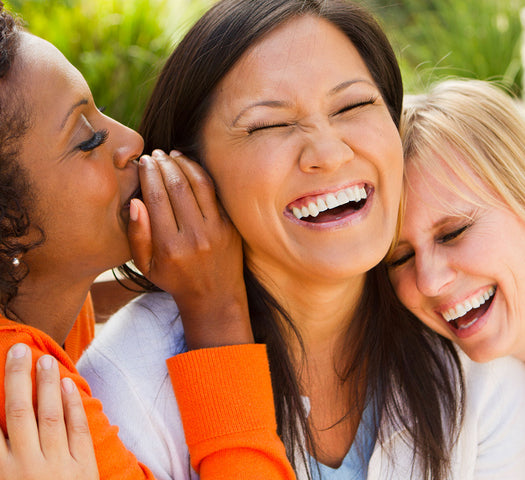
[(330, 200), (462, 308)]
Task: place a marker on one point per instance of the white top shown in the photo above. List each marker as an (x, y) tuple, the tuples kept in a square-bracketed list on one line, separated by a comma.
[(125, 367)]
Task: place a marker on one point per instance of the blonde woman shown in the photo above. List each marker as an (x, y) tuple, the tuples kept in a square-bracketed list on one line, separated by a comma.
[(459, 264)]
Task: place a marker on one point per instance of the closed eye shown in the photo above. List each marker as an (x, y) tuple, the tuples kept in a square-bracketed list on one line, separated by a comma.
[(95, 141), (400, 261), (452, 235), (265, 126), (353, 106)]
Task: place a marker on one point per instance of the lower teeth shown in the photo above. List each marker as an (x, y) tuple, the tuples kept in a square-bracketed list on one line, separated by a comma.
[(463, 327)]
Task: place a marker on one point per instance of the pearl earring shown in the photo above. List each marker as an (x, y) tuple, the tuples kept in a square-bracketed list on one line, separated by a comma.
[(15, 261)]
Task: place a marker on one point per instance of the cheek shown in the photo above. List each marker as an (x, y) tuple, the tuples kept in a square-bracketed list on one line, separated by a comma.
[(405, 287)]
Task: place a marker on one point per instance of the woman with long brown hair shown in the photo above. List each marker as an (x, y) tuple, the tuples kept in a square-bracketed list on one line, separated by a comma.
[(292, 106)]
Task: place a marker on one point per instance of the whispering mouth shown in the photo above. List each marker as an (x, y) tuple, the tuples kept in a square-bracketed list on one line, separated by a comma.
[(136, 194), (467, 313), (331, 206)]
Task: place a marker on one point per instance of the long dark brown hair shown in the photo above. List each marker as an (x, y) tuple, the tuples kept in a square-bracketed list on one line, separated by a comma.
[(413, 374)]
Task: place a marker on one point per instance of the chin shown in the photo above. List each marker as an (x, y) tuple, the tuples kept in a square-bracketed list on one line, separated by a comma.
[(484, 354)]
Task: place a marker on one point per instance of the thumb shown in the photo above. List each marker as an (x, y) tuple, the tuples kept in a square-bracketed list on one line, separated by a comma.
[(139, 235)]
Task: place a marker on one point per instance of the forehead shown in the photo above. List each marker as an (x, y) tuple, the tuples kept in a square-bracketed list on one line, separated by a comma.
[(434, 186), (45, 77), (305, 53)]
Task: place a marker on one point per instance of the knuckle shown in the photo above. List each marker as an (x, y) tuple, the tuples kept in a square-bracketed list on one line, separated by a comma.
[(175, 183), (156, 197), (204, 244), (15, 366), (17, 409), (50, 419), (204, 182), (79, 427)]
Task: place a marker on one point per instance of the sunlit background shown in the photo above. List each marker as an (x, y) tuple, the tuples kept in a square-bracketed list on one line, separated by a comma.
[(119, 45)]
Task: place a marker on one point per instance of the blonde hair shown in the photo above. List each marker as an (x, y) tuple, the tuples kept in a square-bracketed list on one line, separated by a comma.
[(478, 131)]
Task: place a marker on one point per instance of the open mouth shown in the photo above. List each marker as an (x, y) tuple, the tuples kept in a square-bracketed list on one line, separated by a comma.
[(331, 206), (467, 313)]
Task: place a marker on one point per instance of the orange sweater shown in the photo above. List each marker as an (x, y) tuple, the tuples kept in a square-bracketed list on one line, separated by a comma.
[(83, 331), (220, 448)]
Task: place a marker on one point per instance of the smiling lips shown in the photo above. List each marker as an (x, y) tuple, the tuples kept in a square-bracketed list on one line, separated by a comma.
[(350, 197), (465, 314)]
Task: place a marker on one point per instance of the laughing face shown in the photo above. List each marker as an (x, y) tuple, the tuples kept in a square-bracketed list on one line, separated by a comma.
[(459, 267), (305, 155)]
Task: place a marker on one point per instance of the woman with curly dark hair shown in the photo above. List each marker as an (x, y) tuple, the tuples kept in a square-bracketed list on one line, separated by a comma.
[(69, 178)]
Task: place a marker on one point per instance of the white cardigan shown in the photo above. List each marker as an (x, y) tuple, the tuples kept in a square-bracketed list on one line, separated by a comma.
[(125, 367)]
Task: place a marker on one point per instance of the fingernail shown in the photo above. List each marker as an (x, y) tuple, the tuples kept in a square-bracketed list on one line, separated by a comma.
[(157, 154), (133, 211), (67, 385), (175, 153), (145, 160), (18, 351), (46, 361)]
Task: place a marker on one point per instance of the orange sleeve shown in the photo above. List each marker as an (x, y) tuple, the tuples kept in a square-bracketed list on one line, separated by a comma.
[(226, 404), (83, 331)]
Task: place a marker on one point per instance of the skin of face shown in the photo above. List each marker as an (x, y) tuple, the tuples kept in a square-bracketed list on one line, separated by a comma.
[(80, 165), (447, 256), (299, 117)]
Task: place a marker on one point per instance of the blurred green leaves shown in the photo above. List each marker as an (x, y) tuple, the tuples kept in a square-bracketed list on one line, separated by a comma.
[(118, 45), (440, 38)]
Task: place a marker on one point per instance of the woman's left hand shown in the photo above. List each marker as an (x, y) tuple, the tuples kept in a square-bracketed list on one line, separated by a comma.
[(184, 243)]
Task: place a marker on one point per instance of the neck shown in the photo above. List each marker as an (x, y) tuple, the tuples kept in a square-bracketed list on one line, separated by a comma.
[(321, 311), (50, 304)]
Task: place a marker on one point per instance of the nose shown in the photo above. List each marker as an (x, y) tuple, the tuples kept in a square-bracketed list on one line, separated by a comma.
[(433, 273), (128, 145), (325, 150)]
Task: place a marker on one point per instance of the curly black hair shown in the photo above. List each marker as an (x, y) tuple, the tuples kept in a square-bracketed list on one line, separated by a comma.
[(15, 197)]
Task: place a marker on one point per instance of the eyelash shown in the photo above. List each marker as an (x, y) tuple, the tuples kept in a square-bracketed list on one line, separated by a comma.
[(95, 141), (452, 235), (369, 101), (443, 239), (266, 125), (400, 261), (263, 125)]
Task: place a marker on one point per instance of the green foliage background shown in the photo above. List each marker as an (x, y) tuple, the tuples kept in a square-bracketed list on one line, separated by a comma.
[(441, 38), (119, 45)]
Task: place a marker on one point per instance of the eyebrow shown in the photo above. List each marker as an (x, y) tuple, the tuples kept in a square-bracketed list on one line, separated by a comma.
[(282, 104), (348, 83), (84, 101), (264, 103)]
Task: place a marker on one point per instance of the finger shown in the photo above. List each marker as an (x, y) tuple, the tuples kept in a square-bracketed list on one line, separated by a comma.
[(139, 235), (79, 436), (201, 184), (4, 449), (21, 424), (182, 197), (53, 439)]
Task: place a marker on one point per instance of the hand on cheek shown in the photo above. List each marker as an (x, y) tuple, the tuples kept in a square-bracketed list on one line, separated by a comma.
[(183, 242)]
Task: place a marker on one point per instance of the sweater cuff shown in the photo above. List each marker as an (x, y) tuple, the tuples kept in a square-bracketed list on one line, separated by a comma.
[(223, 391)]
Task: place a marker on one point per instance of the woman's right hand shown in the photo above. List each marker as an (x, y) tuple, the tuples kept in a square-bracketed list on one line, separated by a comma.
[(58, 445), (183, 242)]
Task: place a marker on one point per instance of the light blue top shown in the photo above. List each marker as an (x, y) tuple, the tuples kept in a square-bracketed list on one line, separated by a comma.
[(355, 463)]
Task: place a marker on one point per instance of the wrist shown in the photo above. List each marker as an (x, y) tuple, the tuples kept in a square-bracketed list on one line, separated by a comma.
[(216, 324)]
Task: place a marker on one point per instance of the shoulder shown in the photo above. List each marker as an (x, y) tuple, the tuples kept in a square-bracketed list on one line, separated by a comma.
[(40, 343)]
